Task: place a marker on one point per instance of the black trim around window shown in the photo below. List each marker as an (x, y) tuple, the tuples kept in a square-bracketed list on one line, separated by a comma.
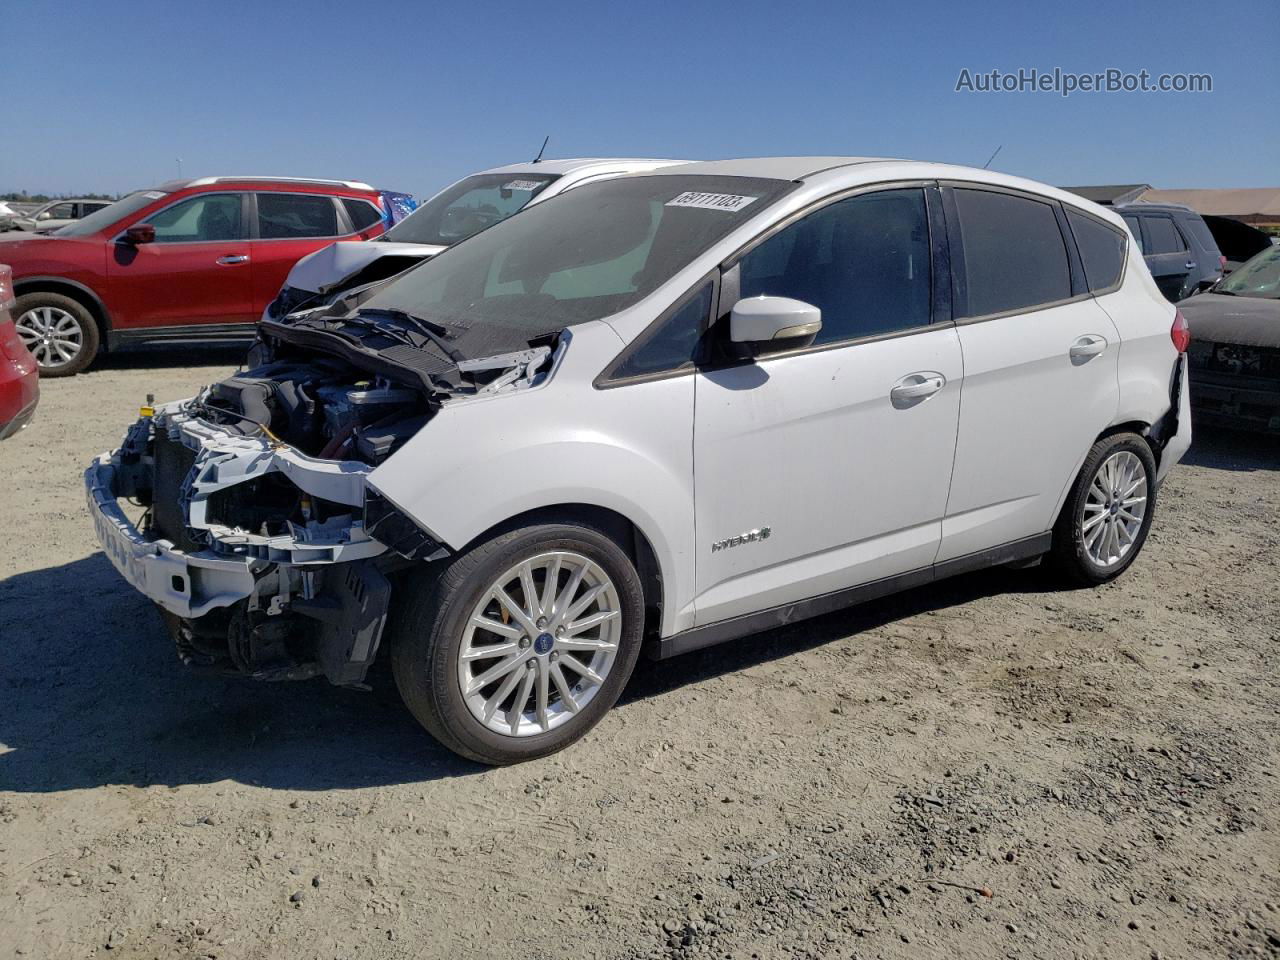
[(1075, 245), (607, 379)]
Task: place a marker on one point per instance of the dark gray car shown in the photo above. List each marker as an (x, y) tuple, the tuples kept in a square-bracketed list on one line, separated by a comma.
[(1235, 347), (1177, 245)]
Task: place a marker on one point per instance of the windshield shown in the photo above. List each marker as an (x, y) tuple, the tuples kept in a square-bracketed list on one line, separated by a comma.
[(1259, 277), (468, 207), (101, 219), (594, 251)]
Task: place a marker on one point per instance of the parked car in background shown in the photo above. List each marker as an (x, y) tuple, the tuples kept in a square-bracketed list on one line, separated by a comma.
[(1237, 241), (455, 213), (670, 408), (6, 210), (55, 214), (1177, 246), (19, 376), (1235, 347), (191, 260)]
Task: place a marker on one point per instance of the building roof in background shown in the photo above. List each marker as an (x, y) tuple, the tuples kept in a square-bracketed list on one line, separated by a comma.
[(1258, 202), (1111, 193)]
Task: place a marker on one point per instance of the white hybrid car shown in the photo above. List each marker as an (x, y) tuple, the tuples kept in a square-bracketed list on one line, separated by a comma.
[(666, 410), (457, 212)]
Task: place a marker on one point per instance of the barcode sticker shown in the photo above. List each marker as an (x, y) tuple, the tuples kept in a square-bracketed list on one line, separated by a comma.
[(711, 201), (522, 185)]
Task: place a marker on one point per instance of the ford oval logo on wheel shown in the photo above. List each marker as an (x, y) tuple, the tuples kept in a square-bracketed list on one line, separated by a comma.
[(543, 644)]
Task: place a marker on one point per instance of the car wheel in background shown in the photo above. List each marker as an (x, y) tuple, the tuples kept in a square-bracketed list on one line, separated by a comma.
[(60, 333), (520, 645), (1105, 520)]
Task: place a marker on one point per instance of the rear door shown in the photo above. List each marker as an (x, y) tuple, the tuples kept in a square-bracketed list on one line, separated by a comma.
[(287, 227), (195, 273), (1168, 255), (1040, 367)]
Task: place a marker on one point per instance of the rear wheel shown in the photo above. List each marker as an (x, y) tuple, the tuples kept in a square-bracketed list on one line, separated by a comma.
[(1105, 521), (521, 644), (60, 333)]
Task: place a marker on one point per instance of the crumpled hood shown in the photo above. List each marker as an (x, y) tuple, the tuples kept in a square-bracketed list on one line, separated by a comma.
[(1251, 321), (325, 269)]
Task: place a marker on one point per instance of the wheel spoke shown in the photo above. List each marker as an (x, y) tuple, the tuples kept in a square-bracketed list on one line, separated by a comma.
[(517, 612), (495, 626), (548, 602), (579, 667), (562, 686), (589, 646), (588, 622), (543, 695), (587, 598), (496, 671), (1093, 522), (517, 705), (532, 607), (504, 690), (491, 651), (567, 594)]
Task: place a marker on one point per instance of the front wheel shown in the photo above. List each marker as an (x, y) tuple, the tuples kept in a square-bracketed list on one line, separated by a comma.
[(521, 644), (1105, 521)]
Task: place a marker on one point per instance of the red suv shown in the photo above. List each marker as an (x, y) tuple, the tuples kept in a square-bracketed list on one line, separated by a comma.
[(191, 260)]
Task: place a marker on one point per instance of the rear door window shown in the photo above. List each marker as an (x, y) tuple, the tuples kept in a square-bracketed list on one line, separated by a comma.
[(1163, 236), (1136, 229), (1014, 255), (296, 215), (1101, 250)]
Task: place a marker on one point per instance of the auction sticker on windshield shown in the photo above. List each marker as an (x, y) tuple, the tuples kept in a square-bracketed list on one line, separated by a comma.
[(711, 201), (522, 185)]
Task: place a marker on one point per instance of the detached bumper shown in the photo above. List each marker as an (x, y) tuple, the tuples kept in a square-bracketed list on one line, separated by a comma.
[(186, 584)]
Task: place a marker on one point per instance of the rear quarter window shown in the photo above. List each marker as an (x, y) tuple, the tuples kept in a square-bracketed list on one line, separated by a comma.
[(362, 213), (1102, 249)]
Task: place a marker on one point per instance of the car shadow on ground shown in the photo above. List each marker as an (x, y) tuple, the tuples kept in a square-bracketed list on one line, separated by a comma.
[(1220, 449)]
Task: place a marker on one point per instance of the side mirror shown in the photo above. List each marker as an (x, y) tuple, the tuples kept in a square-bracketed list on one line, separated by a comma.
[(140, 233), (44, 215), (763, 325)]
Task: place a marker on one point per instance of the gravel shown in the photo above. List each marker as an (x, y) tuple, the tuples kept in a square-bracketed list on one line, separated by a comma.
[(988, 767)]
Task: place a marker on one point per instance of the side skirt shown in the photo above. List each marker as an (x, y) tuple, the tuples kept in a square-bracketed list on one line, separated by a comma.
[(195, 333), (709, 635)]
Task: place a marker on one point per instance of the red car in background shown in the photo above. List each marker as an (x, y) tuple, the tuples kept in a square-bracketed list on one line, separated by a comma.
[(19, 377), (191, 260)]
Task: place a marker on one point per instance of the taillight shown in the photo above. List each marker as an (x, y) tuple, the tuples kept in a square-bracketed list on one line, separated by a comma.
[(6, 286), (1180, 332)]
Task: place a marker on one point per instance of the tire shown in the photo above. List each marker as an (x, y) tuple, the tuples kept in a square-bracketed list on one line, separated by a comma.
[(1099, 534), (434, 628), (60, 332)]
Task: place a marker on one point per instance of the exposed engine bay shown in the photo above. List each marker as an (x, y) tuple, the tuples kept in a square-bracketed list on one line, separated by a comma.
[(261, 539)]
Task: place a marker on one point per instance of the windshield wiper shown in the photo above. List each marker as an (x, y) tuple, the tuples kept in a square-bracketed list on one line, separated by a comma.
[(432, 331)]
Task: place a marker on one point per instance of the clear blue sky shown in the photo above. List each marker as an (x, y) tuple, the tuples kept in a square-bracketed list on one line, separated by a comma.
[(101, 96)]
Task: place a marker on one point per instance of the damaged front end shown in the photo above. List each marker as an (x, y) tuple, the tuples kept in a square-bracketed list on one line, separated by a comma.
[(246, 514)]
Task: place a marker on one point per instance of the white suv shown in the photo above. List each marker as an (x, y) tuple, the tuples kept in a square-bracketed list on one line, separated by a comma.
[(667, 410), (457, 212)]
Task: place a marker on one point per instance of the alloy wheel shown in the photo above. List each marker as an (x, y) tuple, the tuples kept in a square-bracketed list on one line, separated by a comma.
[(1114, 509), (51, 334), (539, 644)]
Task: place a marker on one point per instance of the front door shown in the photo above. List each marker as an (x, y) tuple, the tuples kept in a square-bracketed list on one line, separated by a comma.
[(196, 272), (827, 467)]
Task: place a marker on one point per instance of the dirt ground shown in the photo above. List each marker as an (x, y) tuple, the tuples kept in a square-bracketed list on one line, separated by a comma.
[(990, 767)]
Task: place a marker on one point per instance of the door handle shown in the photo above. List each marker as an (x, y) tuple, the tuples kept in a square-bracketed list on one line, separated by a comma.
[(240, 258), (916, 386), (1191, 265), (1087, 347)]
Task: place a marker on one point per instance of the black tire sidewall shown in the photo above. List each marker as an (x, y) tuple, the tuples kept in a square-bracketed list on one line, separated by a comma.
[(1073, 555), (427, 639), (88, 329)]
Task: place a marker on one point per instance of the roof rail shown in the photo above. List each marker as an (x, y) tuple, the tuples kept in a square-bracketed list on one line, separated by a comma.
[(351, 184)]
